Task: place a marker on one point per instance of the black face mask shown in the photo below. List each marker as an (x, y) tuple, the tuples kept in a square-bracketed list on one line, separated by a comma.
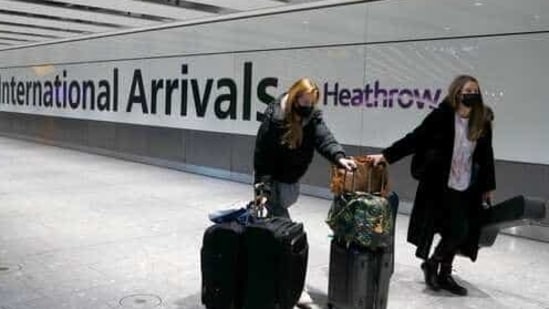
[(470, 99), (304, 111)]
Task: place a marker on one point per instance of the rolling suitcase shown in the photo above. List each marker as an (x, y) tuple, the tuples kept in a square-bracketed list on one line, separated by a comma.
[(358, 278), (276, 254), (222, 266), (519, 210)]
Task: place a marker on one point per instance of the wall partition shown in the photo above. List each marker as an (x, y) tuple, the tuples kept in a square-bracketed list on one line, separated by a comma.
[(189, 95)]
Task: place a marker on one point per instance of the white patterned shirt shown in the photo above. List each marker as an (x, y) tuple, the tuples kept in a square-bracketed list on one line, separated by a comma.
[(462, 156)]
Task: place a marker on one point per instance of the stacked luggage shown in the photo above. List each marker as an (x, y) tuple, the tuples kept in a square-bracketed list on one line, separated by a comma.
[(260, 263), (362, 218)]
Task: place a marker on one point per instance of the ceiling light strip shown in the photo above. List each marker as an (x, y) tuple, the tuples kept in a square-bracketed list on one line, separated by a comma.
[(28, 34), (58, 18), (192, 5), (139, 7), (44, 29)]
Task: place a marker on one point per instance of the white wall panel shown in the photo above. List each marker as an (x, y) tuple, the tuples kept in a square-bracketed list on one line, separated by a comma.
[(405, 75), (420, 19)]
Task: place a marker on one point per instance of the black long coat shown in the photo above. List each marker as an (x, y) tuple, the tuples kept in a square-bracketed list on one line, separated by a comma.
[(432, 144)]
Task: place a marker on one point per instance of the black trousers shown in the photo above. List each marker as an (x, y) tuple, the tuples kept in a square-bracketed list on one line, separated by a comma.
[(454, 225)]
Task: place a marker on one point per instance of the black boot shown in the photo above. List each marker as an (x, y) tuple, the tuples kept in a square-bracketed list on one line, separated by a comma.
[(430, 271), (448, 283)]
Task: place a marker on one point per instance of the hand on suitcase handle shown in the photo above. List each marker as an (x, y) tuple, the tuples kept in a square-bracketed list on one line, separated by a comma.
[(377, 159), (347, 163)]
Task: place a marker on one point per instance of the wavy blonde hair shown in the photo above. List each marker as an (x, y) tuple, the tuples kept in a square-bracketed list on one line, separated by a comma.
[(294, 134), (479, 113)]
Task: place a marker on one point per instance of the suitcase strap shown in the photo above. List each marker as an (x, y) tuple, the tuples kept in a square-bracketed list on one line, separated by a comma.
[(370, 172)]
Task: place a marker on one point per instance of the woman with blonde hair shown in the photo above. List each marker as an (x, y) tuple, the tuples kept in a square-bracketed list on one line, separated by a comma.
[(287, 138), (285, 144), (454, 164)]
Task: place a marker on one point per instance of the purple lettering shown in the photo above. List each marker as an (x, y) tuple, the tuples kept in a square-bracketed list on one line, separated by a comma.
[(419, 103), (392, 93), (357, 98), (426, 97), (378, 92), (401, 97), (367, 92), (374, 95), (328, 93), (434, 102), (344, 96)]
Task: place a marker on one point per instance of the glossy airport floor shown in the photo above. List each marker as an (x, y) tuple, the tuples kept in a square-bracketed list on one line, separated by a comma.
[(90, 232)]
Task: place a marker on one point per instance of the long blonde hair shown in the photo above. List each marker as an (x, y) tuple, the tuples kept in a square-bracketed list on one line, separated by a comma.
[(478, 115), (294, 134)]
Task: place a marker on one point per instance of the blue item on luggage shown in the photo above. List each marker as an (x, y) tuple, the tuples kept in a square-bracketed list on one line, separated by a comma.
[(245, 214), (227, 215)]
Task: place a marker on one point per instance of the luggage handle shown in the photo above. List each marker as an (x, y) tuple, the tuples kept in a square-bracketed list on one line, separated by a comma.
[(353, 187), (258, 209)]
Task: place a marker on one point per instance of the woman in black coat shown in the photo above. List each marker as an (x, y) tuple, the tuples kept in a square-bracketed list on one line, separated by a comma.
[(454, 163), (290, 133)]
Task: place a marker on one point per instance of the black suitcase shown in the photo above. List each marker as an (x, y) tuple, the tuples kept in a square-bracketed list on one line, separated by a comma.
[(515, 211), (359, 278), (222, 266), (276, 254)]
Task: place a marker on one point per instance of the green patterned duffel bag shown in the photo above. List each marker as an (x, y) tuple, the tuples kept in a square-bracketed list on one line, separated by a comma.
[(362, 219)]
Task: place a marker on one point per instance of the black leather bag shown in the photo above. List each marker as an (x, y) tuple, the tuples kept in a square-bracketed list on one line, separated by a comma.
[(516, 211)]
